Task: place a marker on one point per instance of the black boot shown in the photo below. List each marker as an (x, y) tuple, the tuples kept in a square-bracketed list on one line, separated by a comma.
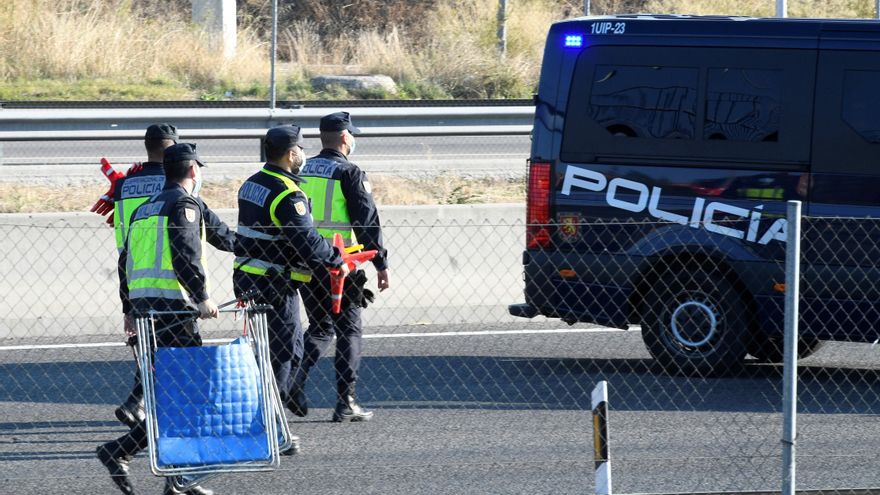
[(347, 408), (131, 412), (117, 465), (294, 446), (297, 403), (196, 490)]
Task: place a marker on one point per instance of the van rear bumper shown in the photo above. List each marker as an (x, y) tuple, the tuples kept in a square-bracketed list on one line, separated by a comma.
[(523, 310), (575, 302)]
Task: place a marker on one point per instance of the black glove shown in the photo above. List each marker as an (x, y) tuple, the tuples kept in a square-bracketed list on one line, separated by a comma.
[(368, 298), (354, 292)]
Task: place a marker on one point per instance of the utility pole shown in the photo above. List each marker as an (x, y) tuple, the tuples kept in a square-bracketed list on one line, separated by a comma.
[(274, 54), (217, 17), (781, 8), (502, 28)]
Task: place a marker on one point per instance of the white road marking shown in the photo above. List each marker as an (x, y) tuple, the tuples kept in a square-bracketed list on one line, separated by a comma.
[(369, 336), (492, 332)]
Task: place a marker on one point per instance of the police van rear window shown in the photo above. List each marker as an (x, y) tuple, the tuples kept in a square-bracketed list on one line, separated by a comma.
[(726, 105)]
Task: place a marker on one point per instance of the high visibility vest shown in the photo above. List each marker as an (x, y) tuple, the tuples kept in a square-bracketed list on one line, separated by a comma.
[(149, 268), (136, 190), (259, 267), (329, 207)]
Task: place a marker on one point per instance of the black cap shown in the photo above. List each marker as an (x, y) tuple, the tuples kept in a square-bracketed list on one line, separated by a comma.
[(161, 131), (182, 151), (338, 121), (285, 137)]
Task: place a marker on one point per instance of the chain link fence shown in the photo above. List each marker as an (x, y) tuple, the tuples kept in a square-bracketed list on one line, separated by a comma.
[(467, 398)]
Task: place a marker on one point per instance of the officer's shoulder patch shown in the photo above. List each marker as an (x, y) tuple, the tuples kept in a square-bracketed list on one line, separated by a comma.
[(300, 207), (190, 214), (368, 187)]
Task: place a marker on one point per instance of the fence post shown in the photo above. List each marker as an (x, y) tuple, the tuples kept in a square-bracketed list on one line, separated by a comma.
[(601, 452), (587, 7), (274, 54), (789, 373), (781, 8), (502, 28)]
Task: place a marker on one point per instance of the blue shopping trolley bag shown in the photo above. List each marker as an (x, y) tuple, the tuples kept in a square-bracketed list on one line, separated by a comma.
[(208, 406)]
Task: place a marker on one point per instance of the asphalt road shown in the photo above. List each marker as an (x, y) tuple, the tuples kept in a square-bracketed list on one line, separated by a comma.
[(67, 162), (496, 412)]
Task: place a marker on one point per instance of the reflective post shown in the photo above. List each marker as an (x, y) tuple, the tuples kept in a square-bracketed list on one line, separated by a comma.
[(781, 8), (601, 450), (789, 372), (587, 7)]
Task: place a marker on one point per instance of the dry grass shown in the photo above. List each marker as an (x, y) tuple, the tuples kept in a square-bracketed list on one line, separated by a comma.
[(111, 49), (387, 190), (20, 198), (764, 8), (458, 54), (90, 39)]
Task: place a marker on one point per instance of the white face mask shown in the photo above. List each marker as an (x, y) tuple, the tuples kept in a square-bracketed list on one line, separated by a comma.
[(352, 147), (198, 184)]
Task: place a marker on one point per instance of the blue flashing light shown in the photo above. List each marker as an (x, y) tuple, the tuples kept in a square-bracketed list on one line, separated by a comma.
[(574, 41)]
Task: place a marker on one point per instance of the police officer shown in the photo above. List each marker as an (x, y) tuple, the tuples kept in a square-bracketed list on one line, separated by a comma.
[(131, 191), (279, 248), (341, 203), (172, 280)]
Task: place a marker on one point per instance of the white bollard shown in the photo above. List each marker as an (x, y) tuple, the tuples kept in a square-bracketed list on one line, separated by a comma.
[(601, 452)]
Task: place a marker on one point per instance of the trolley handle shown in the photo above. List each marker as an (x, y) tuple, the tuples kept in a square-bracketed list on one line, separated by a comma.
[(247, 297)]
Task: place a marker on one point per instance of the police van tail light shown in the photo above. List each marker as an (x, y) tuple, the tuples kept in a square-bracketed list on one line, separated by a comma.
[(538, 207)]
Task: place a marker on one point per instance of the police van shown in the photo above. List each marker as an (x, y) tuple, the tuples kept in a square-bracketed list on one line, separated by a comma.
[(663, 153)]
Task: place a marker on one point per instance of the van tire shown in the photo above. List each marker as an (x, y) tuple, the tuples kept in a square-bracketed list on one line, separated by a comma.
[(770, 350), (710, 329)]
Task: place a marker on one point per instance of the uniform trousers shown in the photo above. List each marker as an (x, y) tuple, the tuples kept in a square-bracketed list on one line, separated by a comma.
[(323, 326), (285, 328)]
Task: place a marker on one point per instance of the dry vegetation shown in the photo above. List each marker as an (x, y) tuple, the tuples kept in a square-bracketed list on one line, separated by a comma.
[(21, 198), (149, 49), (434, 48), (765, 8)]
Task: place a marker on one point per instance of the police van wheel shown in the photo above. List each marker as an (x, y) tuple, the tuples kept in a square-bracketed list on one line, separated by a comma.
[(694, 322), (770, 350)]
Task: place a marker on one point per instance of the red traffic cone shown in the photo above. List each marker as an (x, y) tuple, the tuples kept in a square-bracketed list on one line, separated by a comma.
[(336, 284), (353, 260)]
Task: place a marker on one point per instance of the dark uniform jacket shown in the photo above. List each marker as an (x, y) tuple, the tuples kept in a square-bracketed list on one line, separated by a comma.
[(184, 236), (361, 207), (295, 245)]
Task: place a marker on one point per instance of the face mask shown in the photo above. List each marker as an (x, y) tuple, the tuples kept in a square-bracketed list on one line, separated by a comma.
[(299, 161), (352, 147), (197, 186)]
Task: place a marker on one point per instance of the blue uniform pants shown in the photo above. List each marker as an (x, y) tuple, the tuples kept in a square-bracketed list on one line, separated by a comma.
[(285, 329), (323, 326)]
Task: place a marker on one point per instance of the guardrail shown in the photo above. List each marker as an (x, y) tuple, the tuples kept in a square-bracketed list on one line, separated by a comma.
[(229, 123)]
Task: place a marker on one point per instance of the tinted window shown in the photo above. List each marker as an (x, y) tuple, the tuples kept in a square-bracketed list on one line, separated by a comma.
[(846, 140), (655, 102), (743, 104), (690, 106), (861, 104)]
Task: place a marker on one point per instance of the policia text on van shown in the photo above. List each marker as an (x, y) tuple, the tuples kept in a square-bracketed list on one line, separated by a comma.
[(664, 150)]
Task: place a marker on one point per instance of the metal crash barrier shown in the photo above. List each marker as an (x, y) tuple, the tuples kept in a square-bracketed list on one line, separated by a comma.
[(211, 409)]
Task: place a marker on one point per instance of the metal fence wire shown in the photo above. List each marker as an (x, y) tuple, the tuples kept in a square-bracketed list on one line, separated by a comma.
[(468, 398)]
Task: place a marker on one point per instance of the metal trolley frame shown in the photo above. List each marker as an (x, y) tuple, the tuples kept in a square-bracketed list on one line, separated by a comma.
[(275, 422)]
